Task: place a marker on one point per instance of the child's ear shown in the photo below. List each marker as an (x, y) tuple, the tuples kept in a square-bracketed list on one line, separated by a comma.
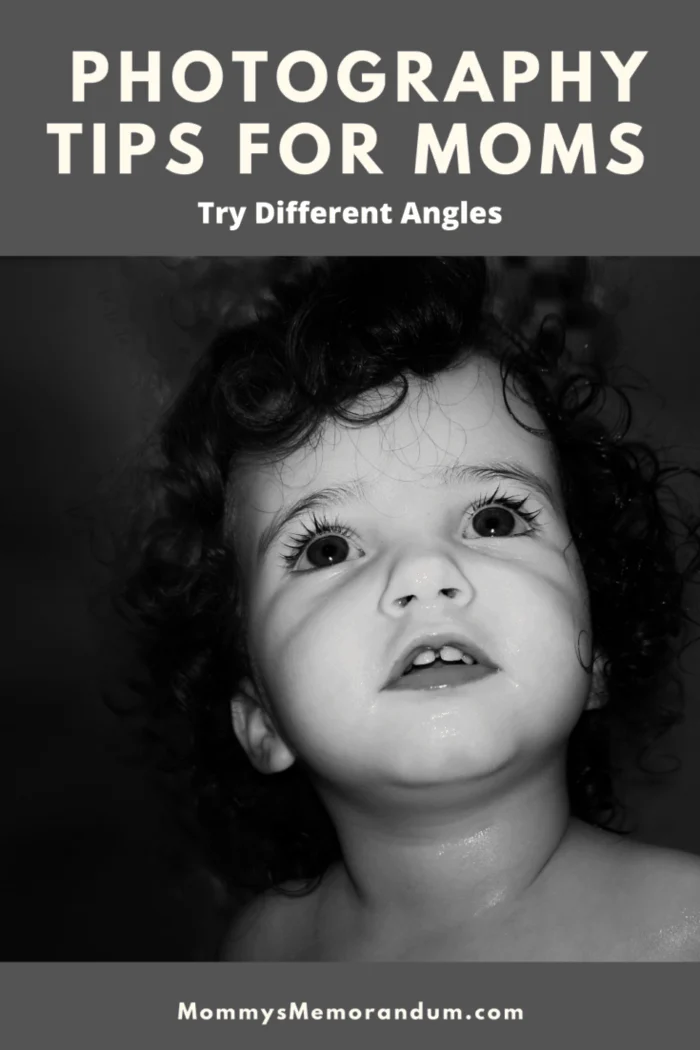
[(597, 694), (256, 731)]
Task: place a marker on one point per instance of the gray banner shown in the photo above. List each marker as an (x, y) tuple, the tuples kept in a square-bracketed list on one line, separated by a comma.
[(126, 190), (212, 1005)]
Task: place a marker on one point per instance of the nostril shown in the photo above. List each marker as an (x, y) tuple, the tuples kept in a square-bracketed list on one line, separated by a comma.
[(449, 592), (403, 602)]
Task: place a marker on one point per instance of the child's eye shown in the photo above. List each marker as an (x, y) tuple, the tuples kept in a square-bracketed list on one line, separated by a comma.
[(321, 546), (328, 550), (501, 516)]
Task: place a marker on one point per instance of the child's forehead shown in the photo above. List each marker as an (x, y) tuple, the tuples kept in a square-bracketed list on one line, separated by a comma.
[(460, 417)]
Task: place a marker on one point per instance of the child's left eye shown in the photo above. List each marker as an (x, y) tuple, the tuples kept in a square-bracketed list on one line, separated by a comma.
[(502, 517)]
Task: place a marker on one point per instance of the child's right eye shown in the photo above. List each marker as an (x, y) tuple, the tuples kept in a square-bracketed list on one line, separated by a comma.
[(320, 547), (329, 550)]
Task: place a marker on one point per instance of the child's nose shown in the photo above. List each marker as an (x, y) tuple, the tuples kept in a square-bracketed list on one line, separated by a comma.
[(427, 580)]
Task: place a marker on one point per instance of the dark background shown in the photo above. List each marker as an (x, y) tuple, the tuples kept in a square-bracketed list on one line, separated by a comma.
[(93, 349)]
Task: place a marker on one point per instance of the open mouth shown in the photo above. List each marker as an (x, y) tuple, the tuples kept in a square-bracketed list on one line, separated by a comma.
[(440, 667)]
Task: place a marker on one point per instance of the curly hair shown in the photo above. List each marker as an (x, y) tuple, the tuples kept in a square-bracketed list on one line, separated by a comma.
[(344, 328)]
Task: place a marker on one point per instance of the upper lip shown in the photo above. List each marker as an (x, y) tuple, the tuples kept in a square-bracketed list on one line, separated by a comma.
[(436, 640)]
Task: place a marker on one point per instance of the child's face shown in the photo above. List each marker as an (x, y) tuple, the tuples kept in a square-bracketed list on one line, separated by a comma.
[(442, 524)]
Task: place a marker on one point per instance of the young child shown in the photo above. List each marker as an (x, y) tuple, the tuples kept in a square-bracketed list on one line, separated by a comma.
[(404, 583)]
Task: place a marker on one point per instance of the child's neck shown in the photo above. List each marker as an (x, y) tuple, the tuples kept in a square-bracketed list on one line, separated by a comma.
[(462, 864)]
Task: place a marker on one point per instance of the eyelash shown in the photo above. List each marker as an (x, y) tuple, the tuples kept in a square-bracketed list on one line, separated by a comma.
[(322, 526)]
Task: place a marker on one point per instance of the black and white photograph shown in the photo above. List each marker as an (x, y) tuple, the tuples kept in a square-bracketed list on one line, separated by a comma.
[(353, 609)]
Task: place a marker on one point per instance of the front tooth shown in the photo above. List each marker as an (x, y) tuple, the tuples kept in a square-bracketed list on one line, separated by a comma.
[(450, 654), (428, 656)]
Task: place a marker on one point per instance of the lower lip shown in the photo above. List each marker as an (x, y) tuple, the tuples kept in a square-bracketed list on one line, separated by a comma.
[(431, 678)]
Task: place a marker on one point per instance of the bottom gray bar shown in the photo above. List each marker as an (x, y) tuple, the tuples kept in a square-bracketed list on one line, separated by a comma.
[(211, 1005)]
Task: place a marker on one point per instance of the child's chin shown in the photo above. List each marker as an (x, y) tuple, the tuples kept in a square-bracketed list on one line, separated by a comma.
[(455, 767)]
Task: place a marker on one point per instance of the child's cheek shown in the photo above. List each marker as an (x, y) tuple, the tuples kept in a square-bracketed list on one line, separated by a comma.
[(545, 623), (313, 662)]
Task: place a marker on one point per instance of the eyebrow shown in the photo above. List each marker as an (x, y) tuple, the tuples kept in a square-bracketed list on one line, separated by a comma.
[(355, 490)]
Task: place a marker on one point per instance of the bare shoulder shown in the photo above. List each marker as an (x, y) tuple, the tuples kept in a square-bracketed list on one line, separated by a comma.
[(663, 873), (662, 887), (631, 901), (271, 928)]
